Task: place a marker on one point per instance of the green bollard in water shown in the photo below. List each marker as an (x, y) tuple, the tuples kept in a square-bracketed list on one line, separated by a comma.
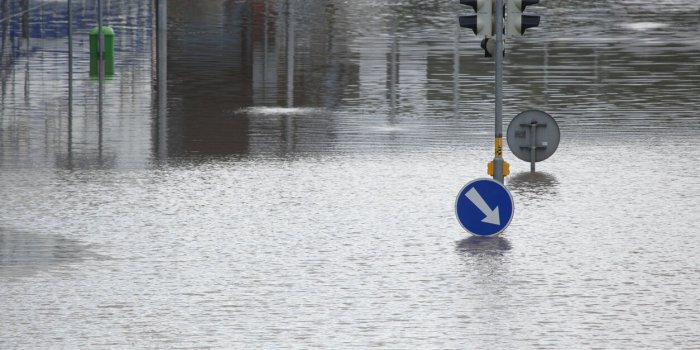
[(95, 68), (107, 53), (108, 49)]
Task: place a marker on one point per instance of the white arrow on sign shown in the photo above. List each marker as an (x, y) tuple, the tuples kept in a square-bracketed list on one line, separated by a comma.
[(492, 216)]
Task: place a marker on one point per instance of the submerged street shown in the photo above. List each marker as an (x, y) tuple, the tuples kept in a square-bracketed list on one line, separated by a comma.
[(290, 180)]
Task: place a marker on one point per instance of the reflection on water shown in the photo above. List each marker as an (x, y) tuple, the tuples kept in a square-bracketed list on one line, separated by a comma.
[(49, 100), (283, 175), (262, 111), (23, 254), (476, 245), (537, 183), (405, 69)]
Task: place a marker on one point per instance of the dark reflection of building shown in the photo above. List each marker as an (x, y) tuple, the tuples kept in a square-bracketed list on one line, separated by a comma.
[(208, 77), (227, 56), (383, 74), (375, 73)]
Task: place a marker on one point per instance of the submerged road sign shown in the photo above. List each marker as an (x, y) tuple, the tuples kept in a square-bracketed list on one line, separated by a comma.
[(533, 136), (484, 207)]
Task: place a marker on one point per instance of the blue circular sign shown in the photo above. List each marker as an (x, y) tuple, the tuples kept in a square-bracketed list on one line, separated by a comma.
[(484, 207)]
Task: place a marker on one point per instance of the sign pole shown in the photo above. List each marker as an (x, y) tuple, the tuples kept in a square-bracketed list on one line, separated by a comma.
[(533, 145), (498, 156)]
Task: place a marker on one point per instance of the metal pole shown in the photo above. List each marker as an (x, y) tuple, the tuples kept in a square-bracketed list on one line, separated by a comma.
[(70, 86), (498, 156), (27, 37), (290, 54), (533, 145), (265, 48), (455, 71), (394, 71), (70, 49), (100, 35), (289, 132), (101, 73), (162, 59)]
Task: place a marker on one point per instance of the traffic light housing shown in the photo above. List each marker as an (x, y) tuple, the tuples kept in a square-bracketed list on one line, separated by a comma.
[(489, 46), (483, 22), (516, 22)]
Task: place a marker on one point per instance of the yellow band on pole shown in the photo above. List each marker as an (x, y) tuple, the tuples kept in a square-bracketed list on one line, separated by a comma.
[(499, 147)]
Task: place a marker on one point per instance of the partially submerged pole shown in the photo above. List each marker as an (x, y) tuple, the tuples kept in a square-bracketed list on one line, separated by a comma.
[(290, 54), (101, 77), (70, 86), (533, 145), (498, 151), (162, 69), (100, 40)]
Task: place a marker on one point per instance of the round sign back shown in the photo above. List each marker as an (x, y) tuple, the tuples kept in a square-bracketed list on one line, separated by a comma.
[(530, 129)]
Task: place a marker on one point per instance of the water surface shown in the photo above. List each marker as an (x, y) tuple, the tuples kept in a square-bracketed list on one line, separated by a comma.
[(297, 189)]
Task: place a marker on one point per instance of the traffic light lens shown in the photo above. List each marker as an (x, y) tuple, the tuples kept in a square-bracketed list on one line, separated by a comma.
[(472, 3), (529, 22), (468, 22)]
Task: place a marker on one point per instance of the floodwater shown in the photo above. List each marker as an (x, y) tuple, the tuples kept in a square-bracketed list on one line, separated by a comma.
[(291, 184)]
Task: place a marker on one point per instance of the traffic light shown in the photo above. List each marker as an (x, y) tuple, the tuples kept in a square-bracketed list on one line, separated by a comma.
[(482, 23), (516, 22)]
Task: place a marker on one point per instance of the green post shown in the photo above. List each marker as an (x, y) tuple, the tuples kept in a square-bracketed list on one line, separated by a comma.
[(108, 43), (107, 66), (107, 55)]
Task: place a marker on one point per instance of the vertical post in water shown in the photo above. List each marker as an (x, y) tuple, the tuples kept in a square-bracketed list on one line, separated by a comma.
[(498, 156), (101, 73), (100, 38), (289, 120), (70, 86), (533, 145), (265, 48), (290, 54), (27, 49), (455, 72), (394, 70), (162, 61)]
